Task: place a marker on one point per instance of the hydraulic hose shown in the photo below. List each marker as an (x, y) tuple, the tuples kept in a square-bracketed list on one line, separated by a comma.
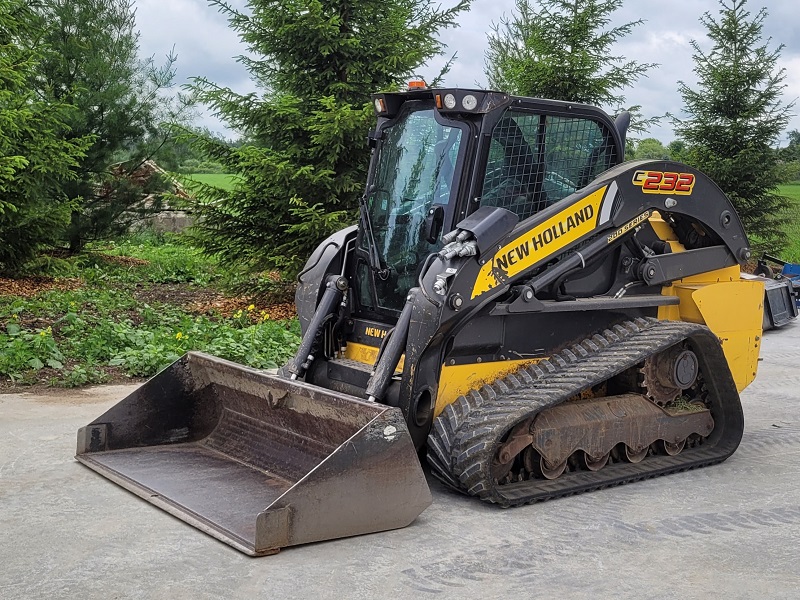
[(335, 288), (390, 357)]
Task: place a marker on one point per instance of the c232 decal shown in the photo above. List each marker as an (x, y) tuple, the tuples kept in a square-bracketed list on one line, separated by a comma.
[(660, 182)]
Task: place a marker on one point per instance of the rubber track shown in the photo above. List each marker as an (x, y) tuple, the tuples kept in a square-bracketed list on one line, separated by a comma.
[(465, 436)]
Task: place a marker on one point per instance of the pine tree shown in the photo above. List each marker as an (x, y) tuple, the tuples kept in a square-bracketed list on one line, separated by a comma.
[(563, 49), (304, 165), (91, 61), (677, 150), (735, 117), (37, 151)]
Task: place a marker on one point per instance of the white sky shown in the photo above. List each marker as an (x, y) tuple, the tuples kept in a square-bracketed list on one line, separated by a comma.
[(206, 47)]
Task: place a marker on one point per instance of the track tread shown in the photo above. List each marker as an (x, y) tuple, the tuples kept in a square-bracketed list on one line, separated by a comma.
[(464, 437)]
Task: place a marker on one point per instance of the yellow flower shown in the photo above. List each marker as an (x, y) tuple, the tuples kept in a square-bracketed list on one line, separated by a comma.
[(178, 336), (264, 315), (251, 307), (237, 314)]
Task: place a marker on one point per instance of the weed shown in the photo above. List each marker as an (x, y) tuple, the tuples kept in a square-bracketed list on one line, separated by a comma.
[(24, 351)]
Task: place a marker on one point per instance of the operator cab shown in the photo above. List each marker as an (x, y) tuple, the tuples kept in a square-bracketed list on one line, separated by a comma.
[(439, 154)]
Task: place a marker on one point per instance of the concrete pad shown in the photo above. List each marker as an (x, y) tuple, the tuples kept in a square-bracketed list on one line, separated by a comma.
[(729, 531)]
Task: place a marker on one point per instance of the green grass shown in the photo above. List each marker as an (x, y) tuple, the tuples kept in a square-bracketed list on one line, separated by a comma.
[(106, 330), (225, 181), (168, 260), (792, 222)]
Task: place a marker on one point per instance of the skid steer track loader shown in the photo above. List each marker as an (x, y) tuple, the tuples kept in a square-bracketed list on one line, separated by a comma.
[(542, 317)]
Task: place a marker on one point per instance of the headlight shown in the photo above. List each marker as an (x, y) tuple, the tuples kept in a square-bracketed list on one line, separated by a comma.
[(469, 102), (450, 101)]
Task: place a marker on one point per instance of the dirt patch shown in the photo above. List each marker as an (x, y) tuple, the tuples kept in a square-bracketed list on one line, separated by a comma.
[(229, 307), (124, 261), (176, 294), (192, 299), (204, 301), (28, 287), (286, 310)]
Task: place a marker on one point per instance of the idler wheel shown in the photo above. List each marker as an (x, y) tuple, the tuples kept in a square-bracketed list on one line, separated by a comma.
[(673, 449), (551, 471), (633, 456), (595, 464)]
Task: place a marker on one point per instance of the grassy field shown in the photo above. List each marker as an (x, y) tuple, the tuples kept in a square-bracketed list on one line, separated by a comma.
[(792, 222), (221, 180), (128, 309)]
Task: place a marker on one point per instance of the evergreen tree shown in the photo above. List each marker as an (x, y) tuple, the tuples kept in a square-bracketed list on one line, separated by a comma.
[(735, 117), (305, 164), (563, 49), (91, 62), (37, 151)]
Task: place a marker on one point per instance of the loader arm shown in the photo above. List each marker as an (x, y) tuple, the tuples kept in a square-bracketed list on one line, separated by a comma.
[(604, 214), (522, 273)]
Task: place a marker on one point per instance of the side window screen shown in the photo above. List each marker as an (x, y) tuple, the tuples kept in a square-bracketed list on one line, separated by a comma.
[(515, 168), (536, 160), (576, 151)]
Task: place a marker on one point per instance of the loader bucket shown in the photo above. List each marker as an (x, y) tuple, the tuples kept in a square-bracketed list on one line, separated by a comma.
[(258, 461)]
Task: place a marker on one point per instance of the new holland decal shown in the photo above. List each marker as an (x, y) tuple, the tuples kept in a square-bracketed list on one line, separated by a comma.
[(545, 239), (659, 182)]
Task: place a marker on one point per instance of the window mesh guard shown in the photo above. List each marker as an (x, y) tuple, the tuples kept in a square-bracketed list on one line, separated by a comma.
[(536, 160)]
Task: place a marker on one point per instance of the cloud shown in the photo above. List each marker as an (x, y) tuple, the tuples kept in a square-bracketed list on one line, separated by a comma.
[(200, 37), (207, 47), (792, 92)]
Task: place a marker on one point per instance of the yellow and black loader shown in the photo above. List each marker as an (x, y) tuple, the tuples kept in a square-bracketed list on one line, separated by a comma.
[(537, 316)]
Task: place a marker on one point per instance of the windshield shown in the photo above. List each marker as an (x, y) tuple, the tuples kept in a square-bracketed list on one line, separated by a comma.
[(414, 172)]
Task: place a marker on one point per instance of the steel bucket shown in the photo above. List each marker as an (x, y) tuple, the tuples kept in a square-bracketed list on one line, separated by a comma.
[(258, 461)]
